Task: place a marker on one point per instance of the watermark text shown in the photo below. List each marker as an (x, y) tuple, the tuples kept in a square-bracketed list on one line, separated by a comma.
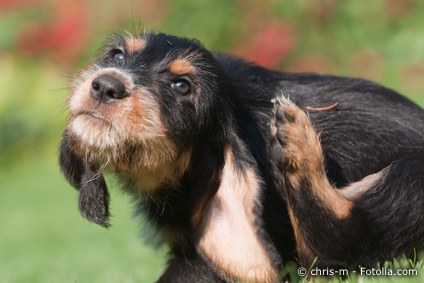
[(361, 271)]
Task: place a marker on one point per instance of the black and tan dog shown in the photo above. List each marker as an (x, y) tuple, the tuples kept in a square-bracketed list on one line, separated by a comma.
[(232, 174)]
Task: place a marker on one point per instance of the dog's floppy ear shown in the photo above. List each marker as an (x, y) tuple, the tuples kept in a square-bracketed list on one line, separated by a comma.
[(229, 234), (94, 195)]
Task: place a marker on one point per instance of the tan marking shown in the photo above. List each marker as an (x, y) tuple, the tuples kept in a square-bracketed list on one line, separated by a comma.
[(356, 189), (148, 179), (181, 67), (134, 45), (304, 252), (305, 161), (229, 237)]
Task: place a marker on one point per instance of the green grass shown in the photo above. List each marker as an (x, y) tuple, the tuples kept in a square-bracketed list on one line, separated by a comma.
[(44, 239)]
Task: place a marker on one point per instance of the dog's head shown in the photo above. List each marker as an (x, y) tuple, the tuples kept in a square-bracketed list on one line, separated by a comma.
[(137, 110)]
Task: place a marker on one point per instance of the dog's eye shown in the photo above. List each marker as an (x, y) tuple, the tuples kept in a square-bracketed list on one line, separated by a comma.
[(181, 87), (117, 55)]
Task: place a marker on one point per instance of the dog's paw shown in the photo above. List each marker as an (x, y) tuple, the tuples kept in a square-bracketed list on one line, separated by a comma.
[(296, 148)]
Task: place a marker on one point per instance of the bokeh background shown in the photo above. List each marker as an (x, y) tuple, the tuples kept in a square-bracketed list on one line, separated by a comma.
[(43, 43)]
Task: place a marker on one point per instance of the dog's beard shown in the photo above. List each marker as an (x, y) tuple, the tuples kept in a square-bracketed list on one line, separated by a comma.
[(103, 145)]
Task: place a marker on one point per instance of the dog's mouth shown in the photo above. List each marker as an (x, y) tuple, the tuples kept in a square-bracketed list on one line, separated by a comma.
[(92, 130), (93, 119), (92, 114)]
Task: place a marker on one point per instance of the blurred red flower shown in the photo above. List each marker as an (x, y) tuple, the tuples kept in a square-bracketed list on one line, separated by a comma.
[(62, 36), (270, 46)]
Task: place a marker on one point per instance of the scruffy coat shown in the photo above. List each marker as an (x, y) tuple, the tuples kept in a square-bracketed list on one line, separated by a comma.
[(230, 170)]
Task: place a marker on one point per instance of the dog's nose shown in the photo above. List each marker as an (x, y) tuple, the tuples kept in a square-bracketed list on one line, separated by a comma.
[(106, 88)]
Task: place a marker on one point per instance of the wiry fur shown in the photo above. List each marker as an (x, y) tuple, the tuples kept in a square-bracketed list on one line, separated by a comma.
[(211, 171), (360, 223)]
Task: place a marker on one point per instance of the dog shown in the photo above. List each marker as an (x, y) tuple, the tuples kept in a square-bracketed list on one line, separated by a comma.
[(240, 168)]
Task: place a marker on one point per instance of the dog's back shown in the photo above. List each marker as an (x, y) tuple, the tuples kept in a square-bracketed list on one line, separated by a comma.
[(367, 128)]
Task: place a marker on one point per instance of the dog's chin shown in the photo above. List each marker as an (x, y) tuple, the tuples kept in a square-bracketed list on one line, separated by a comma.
[(99, 142), (94, 139), (92, 129)]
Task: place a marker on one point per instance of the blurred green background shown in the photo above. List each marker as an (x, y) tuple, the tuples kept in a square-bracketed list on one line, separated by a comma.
[(43, 43)]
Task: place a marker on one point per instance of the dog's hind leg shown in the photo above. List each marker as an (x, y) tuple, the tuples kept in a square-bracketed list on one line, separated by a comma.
[(378, 217)]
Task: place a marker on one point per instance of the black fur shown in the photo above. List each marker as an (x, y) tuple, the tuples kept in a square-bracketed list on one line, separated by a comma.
[(94, 195), (371, 128), (385, 221)]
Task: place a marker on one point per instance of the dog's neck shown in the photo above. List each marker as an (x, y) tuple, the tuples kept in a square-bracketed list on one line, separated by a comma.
[(149, 180), (179, 188)]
